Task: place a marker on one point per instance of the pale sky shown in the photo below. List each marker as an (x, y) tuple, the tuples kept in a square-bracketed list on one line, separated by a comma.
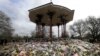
[(17, 10)]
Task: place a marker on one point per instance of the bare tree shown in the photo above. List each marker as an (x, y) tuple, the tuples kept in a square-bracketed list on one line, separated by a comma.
[(93, 26), (78, 29), (5, 25), (5, 28)]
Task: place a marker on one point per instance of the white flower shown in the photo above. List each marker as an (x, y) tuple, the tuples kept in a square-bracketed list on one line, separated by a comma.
[(46, 53), (34, 52), (50, 50)]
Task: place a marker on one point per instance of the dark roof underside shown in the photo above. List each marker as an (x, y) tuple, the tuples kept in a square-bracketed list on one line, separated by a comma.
[(56, 18)]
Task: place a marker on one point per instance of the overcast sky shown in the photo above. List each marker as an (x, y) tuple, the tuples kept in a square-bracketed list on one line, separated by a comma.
[(17, 10)]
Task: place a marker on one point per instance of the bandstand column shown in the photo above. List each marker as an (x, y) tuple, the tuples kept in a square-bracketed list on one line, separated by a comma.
[(58, 29), (64, 30), (37, 27), (50, 30), (50, 14), (43, 25)]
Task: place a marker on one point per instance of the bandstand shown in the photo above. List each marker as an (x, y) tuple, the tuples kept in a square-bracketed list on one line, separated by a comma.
[(50, 15)]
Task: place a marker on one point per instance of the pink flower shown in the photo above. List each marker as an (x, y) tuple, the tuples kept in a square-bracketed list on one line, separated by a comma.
[(22, 53), (75, 54)]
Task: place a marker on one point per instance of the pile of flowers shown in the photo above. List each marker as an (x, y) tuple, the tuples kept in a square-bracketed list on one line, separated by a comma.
[(56, 48)]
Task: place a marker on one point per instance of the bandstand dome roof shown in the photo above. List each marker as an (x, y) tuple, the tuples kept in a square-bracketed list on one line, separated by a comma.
[(50, 7)]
